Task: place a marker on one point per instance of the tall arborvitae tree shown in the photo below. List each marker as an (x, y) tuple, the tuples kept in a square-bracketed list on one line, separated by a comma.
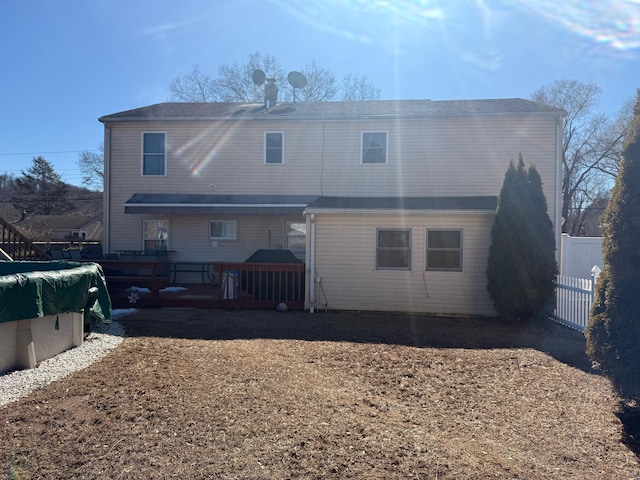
[(522, 266), (613, 333)]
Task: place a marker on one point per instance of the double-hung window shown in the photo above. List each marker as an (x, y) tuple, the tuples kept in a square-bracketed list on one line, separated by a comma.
[(155, 234), (223, 230), (374, 148), (393, 249), (274, 147), (444, 250), (154, 153)]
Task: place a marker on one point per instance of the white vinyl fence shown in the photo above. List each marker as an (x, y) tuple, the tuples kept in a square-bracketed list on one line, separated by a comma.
[(574, 297), (579, 254)]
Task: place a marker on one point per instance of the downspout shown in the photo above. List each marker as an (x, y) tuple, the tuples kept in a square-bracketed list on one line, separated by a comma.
[(312, 262), (558, 209), (106, 187)]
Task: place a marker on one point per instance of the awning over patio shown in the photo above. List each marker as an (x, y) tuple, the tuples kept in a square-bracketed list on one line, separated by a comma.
[(415, 204), (199, 204)]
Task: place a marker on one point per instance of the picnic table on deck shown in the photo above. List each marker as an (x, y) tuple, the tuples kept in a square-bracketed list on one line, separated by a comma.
[(203, 268)]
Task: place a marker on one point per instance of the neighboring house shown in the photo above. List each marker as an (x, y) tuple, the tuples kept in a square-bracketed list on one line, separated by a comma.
[(390, 203), (69, 227)]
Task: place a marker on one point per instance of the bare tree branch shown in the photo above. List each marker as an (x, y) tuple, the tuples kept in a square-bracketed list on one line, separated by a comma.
[(91, 165), (193, 87), (358, 88), (234, 83), (591, 144)]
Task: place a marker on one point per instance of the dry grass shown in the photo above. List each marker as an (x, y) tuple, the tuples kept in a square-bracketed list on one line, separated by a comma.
[(266, 395)]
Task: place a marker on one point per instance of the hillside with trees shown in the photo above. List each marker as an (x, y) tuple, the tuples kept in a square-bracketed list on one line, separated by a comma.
[(39, 190)]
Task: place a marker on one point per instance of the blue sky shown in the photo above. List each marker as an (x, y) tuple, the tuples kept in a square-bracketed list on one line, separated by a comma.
[(64, 63)]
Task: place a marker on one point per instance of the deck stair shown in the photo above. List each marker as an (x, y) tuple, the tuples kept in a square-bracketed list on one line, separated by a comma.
[(17, 246)]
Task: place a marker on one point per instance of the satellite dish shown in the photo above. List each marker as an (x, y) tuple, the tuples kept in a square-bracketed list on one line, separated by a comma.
[(258, 77), (297, 79)]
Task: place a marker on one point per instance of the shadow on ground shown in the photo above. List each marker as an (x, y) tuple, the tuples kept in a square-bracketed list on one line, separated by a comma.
[(629, 415), (561, 343)]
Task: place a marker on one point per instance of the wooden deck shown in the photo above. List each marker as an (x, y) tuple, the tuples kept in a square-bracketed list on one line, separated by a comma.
[(233, 286)]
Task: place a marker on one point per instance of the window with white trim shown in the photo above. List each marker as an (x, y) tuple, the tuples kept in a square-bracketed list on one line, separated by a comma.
[(155, 234), (274, 147), (444, 250), (374, 148), (223, 230), (393, 249), (154, 153), (296, 236)]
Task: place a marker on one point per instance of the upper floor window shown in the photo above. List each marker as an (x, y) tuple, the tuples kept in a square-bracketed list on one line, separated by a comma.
[(393, 249), (374, 147), (444, 250), (223, 230), (274, 147), (154, 157), (155, 234)]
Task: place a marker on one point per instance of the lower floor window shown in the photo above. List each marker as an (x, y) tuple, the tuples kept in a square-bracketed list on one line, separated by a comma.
[(223, 230), (296, 238), (393, 249), (156, 234), (444, 250)]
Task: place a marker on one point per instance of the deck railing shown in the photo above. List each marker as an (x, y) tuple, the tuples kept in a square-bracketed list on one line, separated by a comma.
[(151, 275), (260, 285), (236, 285), (17, 245)]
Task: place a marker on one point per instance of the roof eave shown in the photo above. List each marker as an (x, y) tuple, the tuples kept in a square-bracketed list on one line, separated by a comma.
[(404, 211)]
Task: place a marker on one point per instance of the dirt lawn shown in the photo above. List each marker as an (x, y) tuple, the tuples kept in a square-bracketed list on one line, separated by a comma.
[(266, 395)]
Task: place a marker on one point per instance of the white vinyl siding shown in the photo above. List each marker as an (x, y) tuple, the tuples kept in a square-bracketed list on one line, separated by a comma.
[(434, 157), (455, 156), (349, 280), (154, 153), (273, 147)]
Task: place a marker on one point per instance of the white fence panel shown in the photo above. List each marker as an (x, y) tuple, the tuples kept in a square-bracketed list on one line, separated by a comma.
[(579, 254), (574, 297)]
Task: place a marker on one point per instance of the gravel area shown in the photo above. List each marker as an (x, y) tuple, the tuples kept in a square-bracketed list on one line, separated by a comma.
[(105, 337)]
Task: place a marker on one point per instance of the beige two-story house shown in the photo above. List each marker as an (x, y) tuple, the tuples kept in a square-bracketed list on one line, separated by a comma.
[(389, 203)]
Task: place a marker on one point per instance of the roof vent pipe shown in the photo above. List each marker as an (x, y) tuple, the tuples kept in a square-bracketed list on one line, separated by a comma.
[(270, 93)]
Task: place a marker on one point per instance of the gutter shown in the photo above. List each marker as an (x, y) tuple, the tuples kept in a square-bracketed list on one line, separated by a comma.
[(398, 210), (216, 205), (312, 263), (106, 195)]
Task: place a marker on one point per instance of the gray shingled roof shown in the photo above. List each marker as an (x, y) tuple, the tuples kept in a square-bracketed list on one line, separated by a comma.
[(167, 203), (336, 110), (293, 204), (72, 221), (488, 203)]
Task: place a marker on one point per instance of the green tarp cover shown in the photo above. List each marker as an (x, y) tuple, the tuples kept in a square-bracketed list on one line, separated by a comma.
[(36, 289)]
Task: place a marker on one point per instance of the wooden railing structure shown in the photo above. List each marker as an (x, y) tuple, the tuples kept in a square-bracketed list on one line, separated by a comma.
[(124, 274), (260, 285), (235, 285), (18, 246)]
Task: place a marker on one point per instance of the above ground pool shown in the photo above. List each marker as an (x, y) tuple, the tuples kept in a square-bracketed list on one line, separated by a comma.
[(48, 307)]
